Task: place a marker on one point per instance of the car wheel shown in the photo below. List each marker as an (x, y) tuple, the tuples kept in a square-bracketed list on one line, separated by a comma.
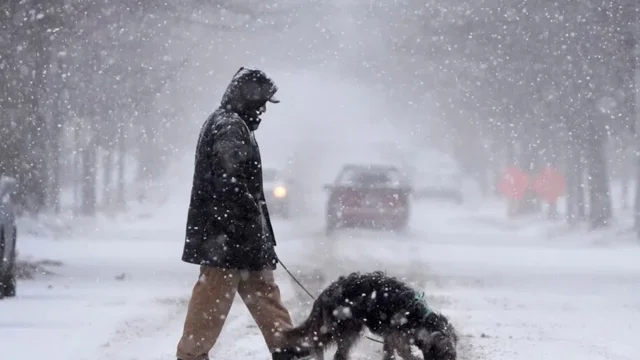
[(400, 227), (8, 279), (3, 247), (399, 231), (8, 285)]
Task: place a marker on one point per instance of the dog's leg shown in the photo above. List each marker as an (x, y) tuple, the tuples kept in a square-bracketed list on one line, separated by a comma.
[(345, 343), (318, 353), (404, 351), (400, 344), (388, 348), (404, 348), (320, 344)]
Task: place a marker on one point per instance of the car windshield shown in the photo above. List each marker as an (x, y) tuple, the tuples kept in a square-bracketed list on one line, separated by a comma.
[(368, 178)]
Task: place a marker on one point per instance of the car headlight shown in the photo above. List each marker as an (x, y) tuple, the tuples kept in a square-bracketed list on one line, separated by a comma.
[(280, 192)]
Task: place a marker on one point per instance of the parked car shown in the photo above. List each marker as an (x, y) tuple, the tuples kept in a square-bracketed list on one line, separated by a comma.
[(276, 192), (438, 178), (368, 196), (8, 237)]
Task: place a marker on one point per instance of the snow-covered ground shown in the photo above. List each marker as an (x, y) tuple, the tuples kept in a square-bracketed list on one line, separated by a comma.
[(514, 292)]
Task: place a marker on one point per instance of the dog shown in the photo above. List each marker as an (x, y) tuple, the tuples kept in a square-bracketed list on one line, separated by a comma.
[(386, 306)]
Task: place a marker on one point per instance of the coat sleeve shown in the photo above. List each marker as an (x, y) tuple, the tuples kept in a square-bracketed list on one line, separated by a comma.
[(230, 149)]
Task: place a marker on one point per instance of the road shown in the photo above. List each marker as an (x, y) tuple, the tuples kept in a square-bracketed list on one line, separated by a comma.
[(512, 293)]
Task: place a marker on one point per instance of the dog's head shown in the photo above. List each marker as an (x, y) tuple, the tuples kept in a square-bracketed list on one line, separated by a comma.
[(439, 344)]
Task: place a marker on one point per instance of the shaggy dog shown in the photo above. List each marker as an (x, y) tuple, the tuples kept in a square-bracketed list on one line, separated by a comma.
[(387, 307)]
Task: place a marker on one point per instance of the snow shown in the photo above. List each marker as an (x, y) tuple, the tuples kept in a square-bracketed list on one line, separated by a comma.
[(93, 84), (513, 292)]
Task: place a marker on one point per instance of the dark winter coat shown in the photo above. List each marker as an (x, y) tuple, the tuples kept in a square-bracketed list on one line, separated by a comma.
[(228, 224)]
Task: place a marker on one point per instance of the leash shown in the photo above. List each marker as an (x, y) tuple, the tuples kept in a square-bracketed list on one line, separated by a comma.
[(310, 295), (295, 279)]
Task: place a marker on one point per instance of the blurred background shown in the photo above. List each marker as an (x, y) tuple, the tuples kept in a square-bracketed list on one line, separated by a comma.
[(97, 98)]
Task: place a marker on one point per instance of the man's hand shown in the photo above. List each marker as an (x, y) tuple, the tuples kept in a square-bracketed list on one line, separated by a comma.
[(250, 204)]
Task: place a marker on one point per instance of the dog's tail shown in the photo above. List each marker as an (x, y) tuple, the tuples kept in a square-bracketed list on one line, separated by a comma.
[(312, 323), (311, 331)]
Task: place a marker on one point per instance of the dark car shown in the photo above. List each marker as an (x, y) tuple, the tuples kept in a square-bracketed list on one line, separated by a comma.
[(8, 234), (277, 192), (368, 196)]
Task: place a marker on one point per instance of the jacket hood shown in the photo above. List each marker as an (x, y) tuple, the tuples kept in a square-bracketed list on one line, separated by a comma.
[(249, 90)]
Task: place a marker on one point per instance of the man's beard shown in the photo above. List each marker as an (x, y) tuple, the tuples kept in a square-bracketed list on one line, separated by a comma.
[(253, 123), (253, 120)]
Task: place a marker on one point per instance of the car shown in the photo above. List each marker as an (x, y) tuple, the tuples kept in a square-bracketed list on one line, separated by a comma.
[(368, 196), (438, 178), (8, 236), (276, 192)]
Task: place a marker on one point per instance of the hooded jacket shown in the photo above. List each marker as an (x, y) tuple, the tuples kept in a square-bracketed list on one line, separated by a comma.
[(228, 223)]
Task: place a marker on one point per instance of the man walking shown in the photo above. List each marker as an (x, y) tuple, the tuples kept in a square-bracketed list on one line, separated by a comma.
[(229, 232)]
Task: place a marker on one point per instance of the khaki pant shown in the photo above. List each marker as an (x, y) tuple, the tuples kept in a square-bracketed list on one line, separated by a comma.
[(211, 301)]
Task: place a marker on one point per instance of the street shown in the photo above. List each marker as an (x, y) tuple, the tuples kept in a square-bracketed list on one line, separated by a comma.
[(121, 291)]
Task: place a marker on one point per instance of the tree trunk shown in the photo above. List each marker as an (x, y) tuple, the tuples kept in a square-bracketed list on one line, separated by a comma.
[(575, 169), (624, 201), (572, 181), (636, 208), (146, 162), (89, 156), (552, 211), (77, 163), (34, 162), (53, 194), (529, 161), (38, 137), (634, 98), (122, 150), (107, 174), (599, 195), (581, 165), (581, 203)]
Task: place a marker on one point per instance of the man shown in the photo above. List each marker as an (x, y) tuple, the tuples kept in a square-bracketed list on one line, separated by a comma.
[(229, 232)]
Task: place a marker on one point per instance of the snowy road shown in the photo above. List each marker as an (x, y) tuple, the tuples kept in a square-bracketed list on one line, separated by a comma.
[(122, 291)]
